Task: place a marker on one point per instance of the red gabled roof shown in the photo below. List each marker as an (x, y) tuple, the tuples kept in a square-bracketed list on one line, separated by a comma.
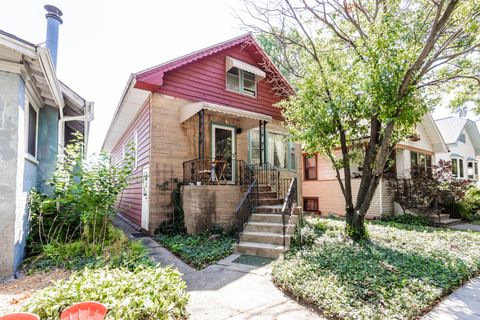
[(151, 79)]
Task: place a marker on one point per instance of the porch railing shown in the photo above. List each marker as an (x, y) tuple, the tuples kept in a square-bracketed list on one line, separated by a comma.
[(209, 171), (267, 174), (246, 207), (289, 205)]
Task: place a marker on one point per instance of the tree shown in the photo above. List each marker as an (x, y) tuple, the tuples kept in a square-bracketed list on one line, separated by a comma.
[(366, 71)]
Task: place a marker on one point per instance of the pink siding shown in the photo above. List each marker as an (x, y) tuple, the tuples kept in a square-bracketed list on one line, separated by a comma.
[(130, 200), (204, 80)]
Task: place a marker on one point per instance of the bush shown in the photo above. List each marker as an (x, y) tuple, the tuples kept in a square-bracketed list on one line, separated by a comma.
[(199, 250), (398, 274), (408, 219), (470, 204), (118, 251), (144, 293)]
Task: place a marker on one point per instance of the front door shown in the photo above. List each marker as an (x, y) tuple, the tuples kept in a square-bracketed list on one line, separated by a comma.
[(224, 152), (145, 197)]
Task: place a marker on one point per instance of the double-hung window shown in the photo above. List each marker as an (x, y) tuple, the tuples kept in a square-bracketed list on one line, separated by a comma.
[(457, 168), (472, 170), (310, 168), (310, 204), (31, 117), (241, 81)]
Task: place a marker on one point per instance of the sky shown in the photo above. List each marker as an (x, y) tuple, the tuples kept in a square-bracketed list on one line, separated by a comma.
[(102, 42)]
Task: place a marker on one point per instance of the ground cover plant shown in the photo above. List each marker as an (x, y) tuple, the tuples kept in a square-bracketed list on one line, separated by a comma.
[(142, 293), (400, 273), (199, 250)]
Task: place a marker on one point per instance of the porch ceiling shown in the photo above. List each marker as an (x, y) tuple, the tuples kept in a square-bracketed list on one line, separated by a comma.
[(248, 119)]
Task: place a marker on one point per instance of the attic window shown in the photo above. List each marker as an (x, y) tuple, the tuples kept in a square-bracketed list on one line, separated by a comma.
[(242, 77), (241, 81), (462, 137)]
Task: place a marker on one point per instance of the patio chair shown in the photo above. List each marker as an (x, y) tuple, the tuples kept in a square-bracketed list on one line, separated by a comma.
[(20, 316), (89, 310)]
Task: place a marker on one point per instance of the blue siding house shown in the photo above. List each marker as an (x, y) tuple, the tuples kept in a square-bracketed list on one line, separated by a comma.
[(38, 115)]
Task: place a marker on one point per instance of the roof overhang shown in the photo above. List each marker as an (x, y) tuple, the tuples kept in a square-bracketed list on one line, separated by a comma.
[(234, 63), (438, 144), (130, 103), (247, 119), (472, 130), (50, 75)]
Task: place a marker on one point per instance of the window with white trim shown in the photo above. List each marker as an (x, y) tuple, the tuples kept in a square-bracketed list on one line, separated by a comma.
[(472, 170), (457, 168), (241, 81), (279, 151), (135, 150), (31, 117), (462, 137), (420, 162)]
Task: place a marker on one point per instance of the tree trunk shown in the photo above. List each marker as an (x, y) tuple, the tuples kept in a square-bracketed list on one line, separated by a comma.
[(355, 227)]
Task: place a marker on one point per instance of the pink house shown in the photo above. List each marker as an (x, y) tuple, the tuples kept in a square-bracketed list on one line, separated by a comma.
[(207, 122)]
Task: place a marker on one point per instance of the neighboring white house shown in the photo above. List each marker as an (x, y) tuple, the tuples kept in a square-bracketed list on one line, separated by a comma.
[(463, 140)]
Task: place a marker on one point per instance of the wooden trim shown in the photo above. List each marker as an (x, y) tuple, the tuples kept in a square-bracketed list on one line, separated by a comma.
[(310, 198), (404, 147)]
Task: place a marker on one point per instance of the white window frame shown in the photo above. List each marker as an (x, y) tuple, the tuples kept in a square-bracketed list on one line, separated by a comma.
[(241, 87), (290, 145), (28, 102), (135, 145), (460, 171), (474, 164)]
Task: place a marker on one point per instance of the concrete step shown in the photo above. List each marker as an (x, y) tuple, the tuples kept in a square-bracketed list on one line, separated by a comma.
[(267, 227), (267, 195), (270, 208), (271, 217), (261, 188), (269, 202), (447, 222), (259, 249), (265, 237), (435, 216)]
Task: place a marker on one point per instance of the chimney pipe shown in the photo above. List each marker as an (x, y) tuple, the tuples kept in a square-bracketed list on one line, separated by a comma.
[(53, 23)]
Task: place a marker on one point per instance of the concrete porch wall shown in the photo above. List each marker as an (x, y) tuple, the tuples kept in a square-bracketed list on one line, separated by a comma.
[(207, 206)]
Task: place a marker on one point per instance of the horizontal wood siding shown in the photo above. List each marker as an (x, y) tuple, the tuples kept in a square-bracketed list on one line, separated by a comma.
[(204, 80), (130, 200)]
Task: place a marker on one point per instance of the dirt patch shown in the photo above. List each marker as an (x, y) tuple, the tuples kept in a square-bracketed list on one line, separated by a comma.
[(14, 292)]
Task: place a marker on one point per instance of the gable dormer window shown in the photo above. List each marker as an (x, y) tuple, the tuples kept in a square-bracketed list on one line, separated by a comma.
[(242, 77), (461, 138)]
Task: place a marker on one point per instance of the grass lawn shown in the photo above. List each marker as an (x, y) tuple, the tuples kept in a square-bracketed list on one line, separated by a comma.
[(400, 274), (200, 250)]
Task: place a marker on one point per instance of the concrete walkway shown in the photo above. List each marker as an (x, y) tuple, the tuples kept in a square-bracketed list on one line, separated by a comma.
[(228, 290), (466, 226), (463, 304)]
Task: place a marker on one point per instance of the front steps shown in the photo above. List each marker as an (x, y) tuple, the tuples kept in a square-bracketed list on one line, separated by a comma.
[(443, 220), (263, 233)]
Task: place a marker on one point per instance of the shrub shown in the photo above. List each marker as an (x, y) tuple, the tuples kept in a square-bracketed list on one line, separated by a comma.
[(144, 293), (118, 251), (84, 194), (199, 250), (408, 219), (470, 204)]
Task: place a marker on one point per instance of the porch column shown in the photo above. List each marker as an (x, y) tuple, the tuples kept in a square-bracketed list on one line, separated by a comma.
[(201, 133), (260, 134)]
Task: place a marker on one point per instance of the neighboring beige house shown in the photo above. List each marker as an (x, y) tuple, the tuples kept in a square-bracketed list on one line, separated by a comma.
[(463, 140), (321, 191)]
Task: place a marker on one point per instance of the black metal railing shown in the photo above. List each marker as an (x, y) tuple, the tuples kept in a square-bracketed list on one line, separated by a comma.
[(289, 205), (267, 174), (211, 171), (246, 207)]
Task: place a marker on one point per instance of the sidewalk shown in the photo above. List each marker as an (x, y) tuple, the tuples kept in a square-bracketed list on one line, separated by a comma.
[(463, 304), (228, 290)]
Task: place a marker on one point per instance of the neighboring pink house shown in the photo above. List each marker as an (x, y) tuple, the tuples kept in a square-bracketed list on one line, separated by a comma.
[(321, 190), (202, 119)]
